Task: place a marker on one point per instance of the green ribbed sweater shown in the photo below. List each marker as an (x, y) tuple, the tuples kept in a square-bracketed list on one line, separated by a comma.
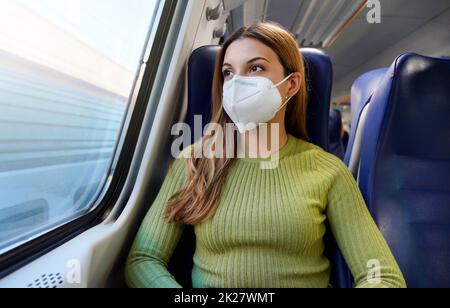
[(268, 229)]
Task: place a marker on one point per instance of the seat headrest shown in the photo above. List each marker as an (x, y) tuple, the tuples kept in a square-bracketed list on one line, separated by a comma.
[(200, 78), (319, 75), (405, 166), (319, 71)]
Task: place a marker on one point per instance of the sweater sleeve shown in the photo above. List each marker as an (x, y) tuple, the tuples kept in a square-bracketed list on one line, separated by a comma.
[(359, 239), (156, 239)]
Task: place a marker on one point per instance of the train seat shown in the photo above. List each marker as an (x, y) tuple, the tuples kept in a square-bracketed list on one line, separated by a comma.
[(405, 166)]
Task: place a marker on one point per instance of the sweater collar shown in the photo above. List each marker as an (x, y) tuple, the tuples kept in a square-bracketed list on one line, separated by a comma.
[(286, 150)]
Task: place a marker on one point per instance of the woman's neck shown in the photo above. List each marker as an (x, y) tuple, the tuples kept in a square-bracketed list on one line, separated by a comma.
[(262, 142)]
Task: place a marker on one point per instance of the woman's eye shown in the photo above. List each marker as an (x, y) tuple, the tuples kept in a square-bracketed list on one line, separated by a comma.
[(256, 68), (226, 73)]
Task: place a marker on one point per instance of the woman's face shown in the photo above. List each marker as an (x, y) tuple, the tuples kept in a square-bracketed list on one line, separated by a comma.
[(250, 57)]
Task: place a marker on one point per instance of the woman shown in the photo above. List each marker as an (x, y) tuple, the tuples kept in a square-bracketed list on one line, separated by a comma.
[(254, 226)]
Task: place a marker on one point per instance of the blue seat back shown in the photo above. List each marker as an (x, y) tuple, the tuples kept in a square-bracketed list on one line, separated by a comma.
[(335, 129), (362, 91), (405, 166)]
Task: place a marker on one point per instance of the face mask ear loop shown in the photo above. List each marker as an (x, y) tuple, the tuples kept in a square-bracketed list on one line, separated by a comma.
[(280, 83), (284, 104), (283, 81)]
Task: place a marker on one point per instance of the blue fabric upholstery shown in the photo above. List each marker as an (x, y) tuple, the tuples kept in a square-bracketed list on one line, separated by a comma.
[(200, 76), (405, 166), (320, 77), (362, 91), (335, 129)]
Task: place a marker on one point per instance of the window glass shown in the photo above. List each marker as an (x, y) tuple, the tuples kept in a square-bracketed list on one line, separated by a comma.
[(67, 70)]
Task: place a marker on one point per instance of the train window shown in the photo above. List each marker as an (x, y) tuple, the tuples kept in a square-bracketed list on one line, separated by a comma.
[(67, 74)]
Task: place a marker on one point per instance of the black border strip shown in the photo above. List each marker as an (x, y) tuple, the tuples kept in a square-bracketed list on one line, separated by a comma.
[(30, 251)]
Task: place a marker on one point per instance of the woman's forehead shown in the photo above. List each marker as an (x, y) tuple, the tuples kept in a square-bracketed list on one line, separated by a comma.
[(243, 50)]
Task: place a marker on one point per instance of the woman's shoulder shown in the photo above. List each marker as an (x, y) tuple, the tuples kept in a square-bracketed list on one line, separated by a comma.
[(322, 160)]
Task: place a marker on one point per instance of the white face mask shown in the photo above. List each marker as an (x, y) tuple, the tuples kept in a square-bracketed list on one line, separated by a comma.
[(251, 101)]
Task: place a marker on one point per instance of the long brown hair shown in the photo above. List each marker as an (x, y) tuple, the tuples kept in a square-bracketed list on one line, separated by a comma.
[(198, 199)]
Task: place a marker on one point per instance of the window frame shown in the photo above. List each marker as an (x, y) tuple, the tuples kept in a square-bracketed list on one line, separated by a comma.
[(21, 255)]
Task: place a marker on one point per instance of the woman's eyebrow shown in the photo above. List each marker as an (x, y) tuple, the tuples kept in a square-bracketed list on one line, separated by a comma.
[(248, 62), (256, 59)]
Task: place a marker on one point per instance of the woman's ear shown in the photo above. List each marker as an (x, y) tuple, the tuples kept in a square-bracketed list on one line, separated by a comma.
[(294, 84)]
